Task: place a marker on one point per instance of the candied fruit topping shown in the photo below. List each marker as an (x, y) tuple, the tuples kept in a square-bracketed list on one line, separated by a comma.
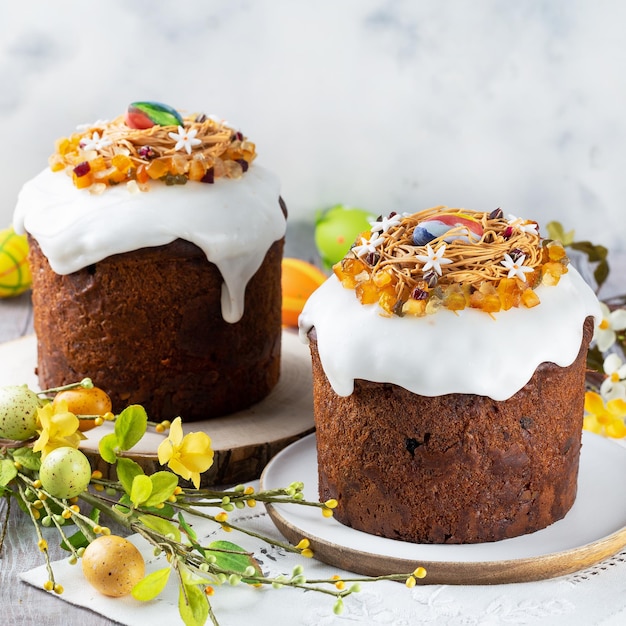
[(193, 147), (479, 260)]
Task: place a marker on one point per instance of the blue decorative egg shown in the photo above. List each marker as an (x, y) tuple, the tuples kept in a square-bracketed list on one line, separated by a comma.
[(438, 225)]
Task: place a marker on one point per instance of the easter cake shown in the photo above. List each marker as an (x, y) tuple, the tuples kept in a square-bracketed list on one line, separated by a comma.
[(155, 248), (449, 357)]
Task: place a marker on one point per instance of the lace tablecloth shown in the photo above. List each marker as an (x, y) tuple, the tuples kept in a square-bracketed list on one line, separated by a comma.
[(595, 596)]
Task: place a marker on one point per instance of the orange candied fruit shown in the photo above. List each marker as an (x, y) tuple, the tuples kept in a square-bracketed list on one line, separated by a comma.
[(178, 165), (63, 146), (197, 169), (233, 169), (530, 298), (551, 273), (158, 168), (387, 300), (98, 164), (142, 174), (382, 278), (556, 252), (56, 163), (454, 298), (367, 292), (509, 292), (82, 182), (347, 270), (414, 307)]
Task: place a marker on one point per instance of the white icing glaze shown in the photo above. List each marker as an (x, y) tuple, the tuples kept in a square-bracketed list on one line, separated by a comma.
[(233, 221), (467, 352)]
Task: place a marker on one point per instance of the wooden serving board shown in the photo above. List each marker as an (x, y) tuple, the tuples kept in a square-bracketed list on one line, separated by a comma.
[(243, 442)]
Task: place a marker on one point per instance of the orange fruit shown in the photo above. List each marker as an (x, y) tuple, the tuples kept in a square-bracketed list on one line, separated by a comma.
[(299, 280)]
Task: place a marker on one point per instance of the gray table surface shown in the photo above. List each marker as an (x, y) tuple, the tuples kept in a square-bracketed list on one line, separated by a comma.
[(21, 604)]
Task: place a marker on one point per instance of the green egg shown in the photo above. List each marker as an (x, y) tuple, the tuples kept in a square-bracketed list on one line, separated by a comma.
[(18, 412), (337, 229), (65, 472)]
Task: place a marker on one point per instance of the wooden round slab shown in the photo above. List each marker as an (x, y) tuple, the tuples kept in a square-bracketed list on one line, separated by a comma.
[(243, 442), (594, 529)]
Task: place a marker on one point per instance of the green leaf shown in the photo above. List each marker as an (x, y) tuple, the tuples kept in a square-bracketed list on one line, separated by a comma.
[(127, 469), (141, 489), (188, 530), (8, 472), (151, 586), (130, 426), (557, 233), (162, 526), (29, 459), (595, 254), (193, 605), (77, 540), (163, 485), (108, 448), (231, 557), (191, 578)]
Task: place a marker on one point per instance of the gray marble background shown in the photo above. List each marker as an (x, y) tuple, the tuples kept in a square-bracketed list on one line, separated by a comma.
[(383, 104)]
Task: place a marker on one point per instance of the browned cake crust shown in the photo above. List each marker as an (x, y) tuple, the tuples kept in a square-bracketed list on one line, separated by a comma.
[(455, 468), (147, 327)]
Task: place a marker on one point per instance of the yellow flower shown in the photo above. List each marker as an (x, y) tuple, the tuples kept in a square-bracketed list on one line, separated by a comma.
[(187, 456), (605, 419), (57, 428)]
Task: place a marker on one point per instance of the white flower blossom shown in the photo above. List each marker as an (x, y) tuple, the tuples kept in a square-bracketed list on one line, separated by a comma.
[(516, 268), (614, 386), (185, 139), (95, 142), (386, 223), (612, 321), (433, 260), (525, 226), (367, 246)]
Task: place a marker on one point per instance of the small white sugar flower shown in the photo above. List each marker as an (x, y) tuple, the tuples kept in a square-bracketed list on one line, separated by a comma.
[(95, 142), (96, 124), (367, 246), (386, 223), (525, 226), (433, 260), (612, 321), (614, 386), (185, 139), (516, 268)]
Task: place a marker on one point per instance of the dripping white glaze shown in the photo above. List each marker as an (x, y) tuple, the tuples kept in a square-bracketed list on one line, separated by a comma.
[(233, 221), (467, 352)]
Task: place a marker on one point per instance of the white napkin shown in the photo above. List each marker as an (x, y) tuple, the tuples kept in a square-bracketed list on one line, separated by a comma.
[(594, 597)]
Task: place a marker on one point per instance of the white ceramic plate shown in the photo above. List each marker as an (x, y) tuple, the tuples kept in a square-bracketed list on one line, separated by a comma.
[(594, 528)]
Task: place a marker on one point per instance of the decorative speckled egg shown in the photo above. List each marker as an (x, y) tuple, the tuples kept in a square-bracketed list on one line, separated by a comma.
[(18, 412), (142, 115), (439, 225), (113, 565), (15, 275), (336, 229), (65, 472)]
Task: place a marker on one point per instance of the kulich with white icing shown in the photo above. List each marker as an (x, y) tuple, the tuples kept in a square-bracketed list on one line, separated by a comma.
[(457, 348), (156, 244), (449, 358), (233, 221), (463, 352)]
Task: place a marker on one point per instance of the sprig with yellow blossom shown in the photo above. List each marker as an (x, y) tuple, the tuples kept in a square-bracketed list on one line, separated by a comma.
[(605, 401), (42, 468)]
